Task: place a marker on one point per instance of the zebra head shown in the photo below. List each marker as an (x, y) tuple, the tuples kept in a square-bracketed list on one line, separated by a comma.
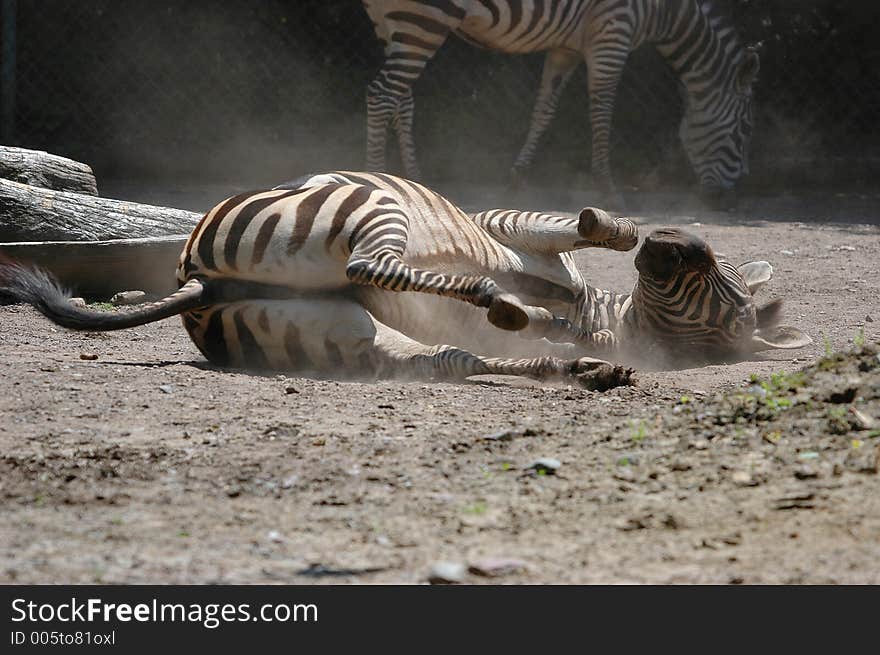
[(716, 131), (689, 304)]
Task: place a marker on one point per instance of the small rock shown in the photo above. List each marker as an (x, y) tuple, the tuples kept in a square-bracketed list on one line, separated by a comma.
[(546, 464), (797, 500), (89, 357), (625, 474), (128, 298), (806, 472), (447, 573), (504, 435), (868, 319), (743, 479), (861, 421), (492, 567), (77, 302), (166, 388), (509, 435), (633, 523), (275, 537), (290, 390), (290, 481), (786, 252)]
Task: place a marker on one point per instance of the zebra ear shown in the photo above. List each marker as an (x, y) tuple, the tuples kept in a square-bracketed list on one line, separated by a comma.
[(747, 72), (778, 337), (755, 274)]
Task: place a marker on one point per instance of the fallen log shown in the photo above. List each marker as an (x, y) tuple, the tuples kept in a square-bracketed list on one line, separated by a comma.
[(99, 269), (29, 213), (46, 170)]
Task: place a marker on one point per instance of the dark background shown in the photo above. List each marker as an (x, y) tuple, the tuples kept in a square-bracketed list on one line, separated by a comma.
[(258, 92)]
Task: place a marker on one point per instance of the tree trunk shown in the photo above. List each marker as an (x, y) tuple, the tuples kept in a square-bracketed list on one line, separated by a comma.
[(99, 269), (29, 213), (48, 171)]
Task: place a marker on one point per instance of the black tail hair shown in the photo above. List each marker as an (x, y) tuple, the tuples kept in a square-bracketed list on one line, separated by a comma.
[(40, 289)]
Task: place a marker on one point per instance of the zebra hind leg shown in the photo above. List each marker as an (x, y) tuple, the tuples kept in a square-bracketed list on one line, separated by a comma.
[(396, 355)]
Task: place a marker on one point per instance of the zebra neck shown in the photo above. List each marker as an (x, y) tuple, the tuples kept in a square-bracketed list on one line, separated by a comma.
[(604, 310), (702, 49)]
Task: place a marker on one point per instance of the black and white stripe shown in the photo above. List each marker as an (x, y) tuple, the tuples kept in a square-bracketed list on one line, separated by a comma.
[(716, 71)]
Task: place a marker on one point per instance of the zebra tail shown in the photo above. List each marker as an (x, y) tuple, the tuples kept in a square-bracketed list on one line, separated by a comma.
[(40, 289)]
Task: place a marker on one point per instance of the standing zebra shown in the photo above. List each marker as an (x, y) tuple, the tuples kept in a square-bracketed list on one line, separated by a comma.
[(309, 277), (716, 71)]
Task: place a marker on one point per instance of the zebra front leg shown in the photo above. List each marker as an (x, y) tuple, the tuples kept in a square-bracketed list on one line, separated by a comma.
[(558, 68), (395, 354), (605, 61)]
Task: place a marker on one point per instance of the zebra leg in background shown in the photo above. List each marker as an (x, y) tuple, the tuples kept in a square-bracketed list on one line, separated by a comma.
[(558, 68), (540, 233), (396, 354), (403, 125), (605, 62), (410, 42)]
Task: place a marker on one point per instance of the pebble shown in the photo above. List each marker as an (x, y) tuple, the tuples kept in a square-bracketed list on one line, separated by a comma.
[(89, 357), (743, 479), (495, 567), (796, 500), (166, 388), (128, 298), (546, 464), (786, 252), (447, 573), (77, 302), (504, 435), (275, 537), (625, 474), (861, 420), (806, 472)]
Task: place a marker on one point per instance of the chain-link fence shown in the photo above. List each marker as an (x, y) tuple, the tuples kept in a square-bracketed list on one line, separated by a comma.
[(262, 91)]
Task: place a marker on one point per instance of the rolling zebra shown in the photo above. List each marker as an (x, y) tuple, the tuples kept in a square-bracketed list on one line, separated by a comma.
[(715, 70), (311, 275)]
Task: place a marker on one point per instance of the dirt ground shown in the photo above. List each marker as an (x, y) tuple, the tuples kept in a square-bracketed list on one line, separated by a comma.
[(145, 465)]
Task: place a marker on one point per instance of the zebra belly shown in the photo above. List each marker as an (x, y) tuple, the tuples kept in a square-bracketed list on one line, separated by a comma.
[(436, 320), (314, 334), (508, 33)]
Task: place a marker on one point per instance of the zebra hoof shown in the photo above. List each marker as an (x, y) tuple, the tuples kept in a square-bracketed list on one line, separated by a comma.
[(507, 312), (602, 377)]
